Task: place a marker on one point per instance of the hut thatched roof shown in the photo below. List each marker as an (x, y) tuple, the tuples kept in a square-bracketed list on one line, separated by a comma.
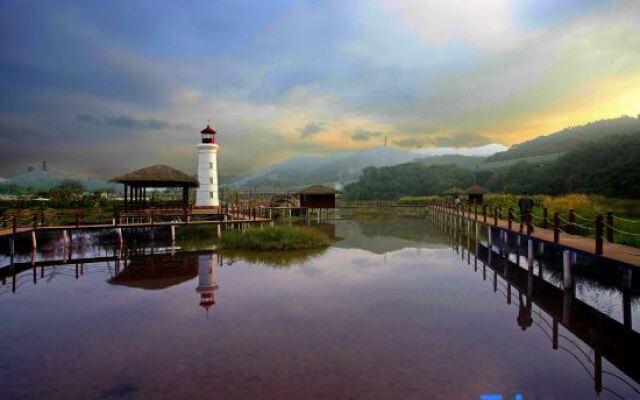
[(453, 190), (157, 176), (317, 189), (476, 189)]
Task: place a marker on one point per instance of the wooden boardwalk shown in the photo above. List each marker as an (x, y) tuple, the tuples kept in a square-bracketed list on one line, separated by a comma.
[(617, 252)]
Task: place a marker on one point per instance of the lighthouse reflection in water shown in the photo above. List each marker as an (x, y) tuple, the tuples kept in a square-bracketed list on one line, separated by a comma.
[(207, 281)]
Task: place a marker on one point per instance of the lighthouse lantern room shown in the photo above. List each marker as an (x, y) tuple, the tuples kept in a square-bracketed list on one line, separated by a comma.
[(207, 194)]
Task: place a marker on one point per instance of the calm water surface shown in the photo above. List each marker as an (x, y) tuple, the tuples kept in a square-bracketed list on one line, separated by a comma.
[(396, 309)]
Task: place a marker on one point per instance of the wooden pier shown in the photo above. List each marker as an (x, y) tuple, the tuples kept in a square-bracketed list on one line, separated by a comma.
[(597, 246)]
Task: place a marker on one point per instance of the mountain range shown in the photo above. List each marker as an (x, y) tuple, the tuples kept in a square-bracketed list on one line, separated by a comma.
[(45, 180), (339, 169)]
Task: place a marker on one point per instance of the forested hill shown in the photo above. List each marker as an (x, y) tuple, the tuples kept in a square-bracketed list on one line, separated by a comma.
[(607, 166), (569, 138)]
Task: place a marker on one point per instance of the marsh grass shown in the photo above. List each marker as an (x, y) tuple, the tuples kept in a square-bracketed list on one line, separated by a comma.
[(274, 239)]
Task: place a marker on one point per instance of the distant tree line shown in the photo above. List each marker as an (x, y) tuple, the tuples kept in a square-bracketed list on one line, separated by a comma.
[(607, 166)]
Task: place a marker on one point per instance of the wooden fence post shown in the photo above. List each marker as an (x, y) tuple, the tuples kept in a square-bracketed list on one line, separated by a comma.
[(599, 232), (609, 226), (545, 215), (14, 223), (510, 217), (484, 213), (572, 220), (495, 216), (556, 228), (475, 210)]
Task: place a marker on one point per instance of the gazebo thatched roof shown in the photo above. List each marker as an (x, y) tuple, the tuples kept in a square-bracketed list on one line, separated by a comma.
[(317, 189), (476, 189), (453, 190), (157, 272), (157, 176)]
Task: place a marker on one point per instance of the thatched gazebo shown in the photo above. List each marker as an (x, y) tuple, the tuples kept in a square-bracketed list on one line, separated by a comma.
[(476, 193), (156, 176)]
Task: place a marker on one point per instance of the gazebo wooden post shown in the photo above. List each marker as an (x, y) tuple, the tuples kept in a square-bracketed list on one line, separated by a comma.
[(185, 196)]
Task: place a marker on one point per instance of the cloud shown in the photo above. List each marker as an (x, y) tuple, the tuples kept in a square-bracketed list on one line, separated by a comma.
[(125, 121), (311, 129), (462, 140), (409, 142), (362, 135)]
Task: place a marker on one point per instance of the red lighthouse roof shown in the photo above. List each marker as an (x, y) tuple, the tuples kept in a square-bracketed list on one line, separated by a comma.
[(208, 129)]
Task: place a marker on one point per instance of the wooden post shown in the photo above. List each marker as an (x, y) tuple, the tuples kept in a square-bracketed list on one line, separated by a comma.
[(475, 210), (510, 217), (599, 234), (545, 215), (495, 216), (484, 213), (609, 226), (572, 220), (556, 228), (529, 223), (14, 223)]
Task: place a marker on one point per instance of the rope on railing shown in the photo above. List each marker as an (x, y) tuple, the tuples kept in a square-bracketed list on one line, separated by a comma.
[(620, 231), (630, 221)]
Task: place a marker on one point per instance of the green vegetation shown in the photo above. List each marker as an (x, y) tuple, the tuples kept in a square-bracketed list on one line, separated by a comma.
[(274, 238), (411, 179), (570, 138), (606, 167)]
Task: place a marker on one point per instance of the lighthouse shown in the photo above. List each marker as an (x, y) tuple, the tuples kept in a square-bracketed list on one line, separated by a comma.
[(207, 195), (207, 283)]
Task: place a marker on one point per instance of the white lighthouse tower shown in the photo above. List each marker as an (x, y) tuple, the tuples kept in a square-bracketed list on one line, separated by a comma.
[(207, 195), (207, 282)]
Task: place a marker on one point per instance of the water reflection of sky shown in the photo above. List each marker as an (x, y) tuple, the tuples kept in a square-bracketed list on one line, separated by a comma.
[(408, 322)]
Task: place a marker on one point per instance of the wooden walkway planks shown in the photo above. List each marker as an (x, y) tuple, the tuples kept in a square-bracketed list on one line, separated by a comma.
[(9, 232), (617, 252)]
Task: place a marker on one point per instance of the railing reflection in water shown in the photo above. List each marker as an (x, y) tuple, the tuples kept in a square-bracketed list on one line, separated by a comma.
[(571, 325)]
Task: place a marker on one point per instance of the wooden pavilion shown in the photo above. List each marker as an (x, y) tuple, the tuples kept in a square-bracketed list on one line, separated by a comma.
[(156, 176), (317, 196), (476, 194)]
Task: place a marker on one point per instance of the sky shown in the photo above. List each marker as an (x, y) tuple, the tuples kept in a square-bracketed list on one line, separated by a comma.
[(102, 87)]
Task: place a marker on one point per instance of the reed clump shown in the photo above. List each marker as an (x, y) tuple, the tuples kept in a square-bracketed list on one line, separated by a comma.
[(275, 238)]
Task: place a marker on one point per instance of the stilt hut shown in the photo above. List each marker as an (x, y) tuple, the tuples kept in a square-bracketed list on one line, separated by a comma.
[(476, 194), (317, 196), (156, 176)]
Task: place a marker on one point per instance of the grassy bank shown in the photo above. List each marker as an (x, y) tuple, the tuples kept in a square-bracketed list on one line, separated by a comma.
[(274, 238)]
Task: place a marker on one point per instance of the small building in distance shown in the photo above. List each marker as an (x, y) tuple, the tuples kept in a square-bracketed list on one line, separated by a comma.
[(317, 196), (476, 194)]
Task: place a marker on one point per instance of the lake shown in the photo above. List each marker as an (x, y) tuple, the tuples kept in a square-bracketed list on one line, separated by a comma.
[(397, 308)]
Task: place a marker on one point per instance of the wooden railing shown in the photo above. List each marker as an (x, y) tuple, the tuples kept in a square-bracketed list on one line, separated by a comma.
[(601, 227)]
